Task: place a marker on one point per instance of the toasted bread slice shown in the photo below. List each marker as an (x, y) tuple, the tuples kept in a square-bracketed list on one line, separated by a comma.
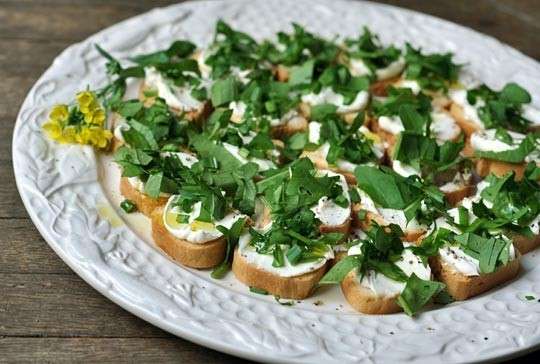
[(465, 124), (144, 203), (411, 235), (388, 139), (461, 287), (298, 287), (380, 88), (364, 300), (455, 196), (320, 162), (282, 73), (193, 115), (524, 244), (200, 256), (342, 229), (305, 110), (294, 125), (485, 167)]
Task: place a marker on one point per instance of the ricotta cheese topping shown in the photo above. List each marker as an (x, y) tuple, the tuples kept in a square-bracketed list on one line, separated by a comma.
[(357, 67), (194, 231), (328, 96), (410, 84), (390, 216), (381, 285), (391, 124), (532, 114), (444, 127), (403, 169), (238, 110), (327, 211), (485, 141), (264, 261), (176, 97)]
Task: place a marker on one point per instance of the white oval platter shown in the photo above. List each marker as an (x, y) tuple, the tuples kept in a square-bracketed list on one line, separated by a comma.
[(73, 204)]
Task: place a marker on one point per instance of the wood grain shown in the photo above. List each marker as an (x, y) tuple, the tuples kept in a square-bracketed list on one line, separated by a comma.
[(47, 313)]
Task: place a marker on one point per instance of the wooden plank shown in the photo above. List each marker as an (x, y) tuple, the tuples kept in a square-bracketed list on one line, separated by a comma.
[(10, 202), (62, 20), (108, 350), (24, 250), (514, 22), (63, 305)]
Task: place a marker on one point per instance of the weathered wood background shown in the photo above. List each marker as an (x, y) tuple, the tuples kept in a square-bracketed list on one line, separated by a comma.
[(47, 313)]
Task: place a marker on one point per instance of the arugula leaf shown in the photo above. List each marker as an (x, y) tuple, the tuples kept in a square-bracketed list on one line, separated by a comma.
[(302, 74), (501, 109), (210, 149), (432, 71), (338, 272), (224, 91), (232, 236), (490, 254), (179, 48), (388, 190), (412, 120), (417, 294), (488, 251), (368, 48), (515, 94), (152, 187)]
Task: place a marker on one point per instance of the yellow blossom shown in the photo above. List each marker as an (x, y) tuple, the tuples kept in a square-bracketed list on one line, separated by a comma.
[(59, 113), (88, 130)]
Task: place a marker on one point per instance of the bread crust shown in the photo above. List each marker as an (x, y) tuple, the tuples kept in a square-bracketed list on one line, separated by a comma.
[(144, 203), (485, 167), (461, 287), (465, 124), (298, 287), (200, 256), (366, 301)]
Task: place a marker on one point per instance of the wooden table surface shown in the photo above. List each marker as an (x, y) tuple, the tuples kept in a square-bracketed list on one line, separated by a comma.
[(47, 313)]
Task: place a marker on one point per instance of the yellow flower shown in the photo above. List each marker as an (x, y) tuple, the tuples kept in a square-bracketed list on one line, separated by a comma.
[(59, 113), (53, 129), (89, 132), (85, 98)]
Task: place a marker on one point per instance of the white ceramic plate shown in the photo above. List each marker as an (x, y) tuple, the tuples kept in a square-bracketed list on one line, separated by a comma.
[(74, 205)]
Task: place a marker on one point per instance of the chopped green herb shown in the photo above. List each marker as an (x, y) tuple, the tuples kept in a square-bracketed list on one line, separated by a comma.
[(128, 206)]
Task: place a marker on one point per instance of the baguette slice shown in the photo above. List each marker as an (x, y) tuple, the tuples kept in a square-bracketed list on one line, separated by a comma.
[(522, 243), (320, 162), (200, 256), (342, 229), (366, 301), (485, 166), (461, 287), (465, 124), (144, 203), (409, 235), (294, 125), (455, 196), (298, 287)]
